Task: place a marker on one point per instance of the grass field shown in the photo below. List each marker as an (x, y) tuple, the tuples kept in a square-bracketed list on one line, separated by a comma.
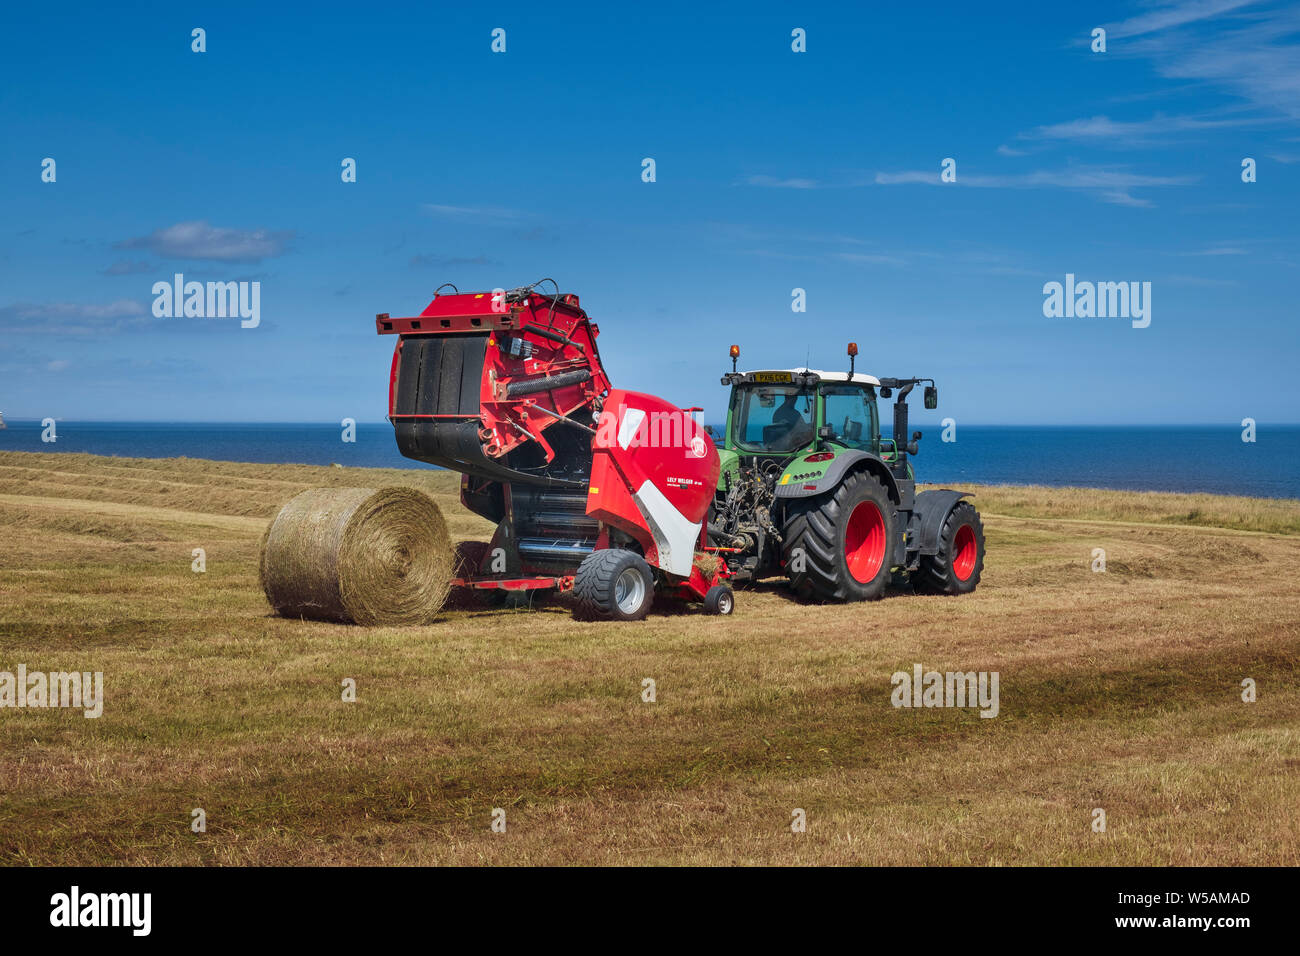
[(1118, 690)]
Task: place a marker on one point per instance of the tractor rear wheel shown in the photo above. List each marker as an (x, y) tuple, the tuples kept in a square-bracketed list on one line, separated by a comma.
[(957, 566), (838, 546), (613, 585)]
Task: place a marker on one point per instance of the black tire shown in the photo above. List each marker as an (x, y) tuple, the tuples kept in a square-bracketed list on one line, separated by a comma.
[(605, 586), (719, 600), (956, 569), (838, 563)]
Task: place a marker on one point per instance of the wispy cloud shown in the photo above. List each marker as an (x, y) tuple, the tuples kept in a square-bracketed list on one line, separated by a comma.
[(1122, 197), (1173, 15), (868, 258), (930, 177), (1109, 183), (803, 246), (1106, 131), (487, 215), (1251, 49), (128, 267), (426, 261), (1219, 251), (71, 318), (773, 182), (202, 240), (1202, 281)]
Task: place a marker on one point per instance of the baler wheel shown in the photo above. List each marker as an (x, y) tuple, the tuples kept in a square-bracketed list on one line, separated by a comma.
[(613, 585), (956, 569), (838, 545), (719, 600)]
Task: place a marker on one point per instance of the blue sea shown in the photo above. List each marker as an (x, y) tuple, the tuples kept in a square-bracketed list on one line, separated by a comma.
[(1207, 458)]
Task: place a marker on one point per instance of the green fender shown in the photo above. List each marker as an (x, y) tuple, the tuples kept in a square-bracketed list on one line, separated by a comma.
[(804, 479)]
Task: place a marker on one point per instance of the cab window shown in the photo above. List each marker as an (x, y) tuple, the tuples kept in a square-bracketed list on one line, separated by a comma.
[(851, 414), (777, 418)]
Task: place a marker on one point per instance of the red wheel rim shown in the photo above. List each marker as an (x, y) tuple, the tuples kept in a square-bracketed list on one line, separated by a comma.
[(964, 550), (864, 541)]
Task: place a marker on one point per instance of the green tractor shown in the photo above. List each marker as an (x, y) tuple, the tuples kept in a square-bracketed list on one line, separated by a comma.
[(811, 490)]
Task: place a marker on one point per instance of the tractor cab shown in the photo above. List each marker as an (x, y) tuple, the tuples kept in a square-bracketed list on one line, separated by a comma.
[(791, 413), (794, 410)]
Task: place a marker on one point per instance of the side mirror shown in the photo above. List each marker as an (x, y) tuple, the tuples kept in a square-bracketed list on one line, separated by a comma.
[(931, 397)]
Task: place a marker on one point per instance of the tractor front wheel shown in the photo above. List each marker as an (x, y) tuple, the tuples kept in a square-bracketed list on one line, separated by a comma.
[(839, 546), (613, 585), (957, 566)]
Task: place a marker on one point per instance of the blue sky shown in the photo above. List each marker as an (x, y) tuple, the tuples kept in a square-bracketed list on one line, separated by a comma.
[(774, 170)]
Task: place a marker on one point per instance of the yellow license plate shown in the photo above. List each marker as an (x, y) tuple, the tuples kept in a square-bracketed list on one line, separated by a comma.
[(772, 376)]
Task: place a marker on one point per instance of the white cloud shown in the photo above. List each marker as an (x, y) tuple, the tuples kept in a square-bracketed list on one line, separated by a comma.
[(1172, 16), (129, 267), (71, 318), (1253, 53), (868, 258), (1109, 183), (1121, 197), (910, 176), (429, 260), (488, 215), (201, 240), (1103, 129), (775, 183), (1247, 48)]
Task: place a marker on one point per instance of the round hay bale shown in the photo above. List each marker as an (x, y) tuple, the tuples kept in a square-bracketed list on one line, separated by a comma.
[(358, 554)]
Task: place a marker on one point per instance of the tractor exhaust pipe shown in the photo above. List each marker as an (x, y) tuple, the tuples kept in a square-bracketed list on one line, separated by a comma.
[(900, 426), (904, 446)]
